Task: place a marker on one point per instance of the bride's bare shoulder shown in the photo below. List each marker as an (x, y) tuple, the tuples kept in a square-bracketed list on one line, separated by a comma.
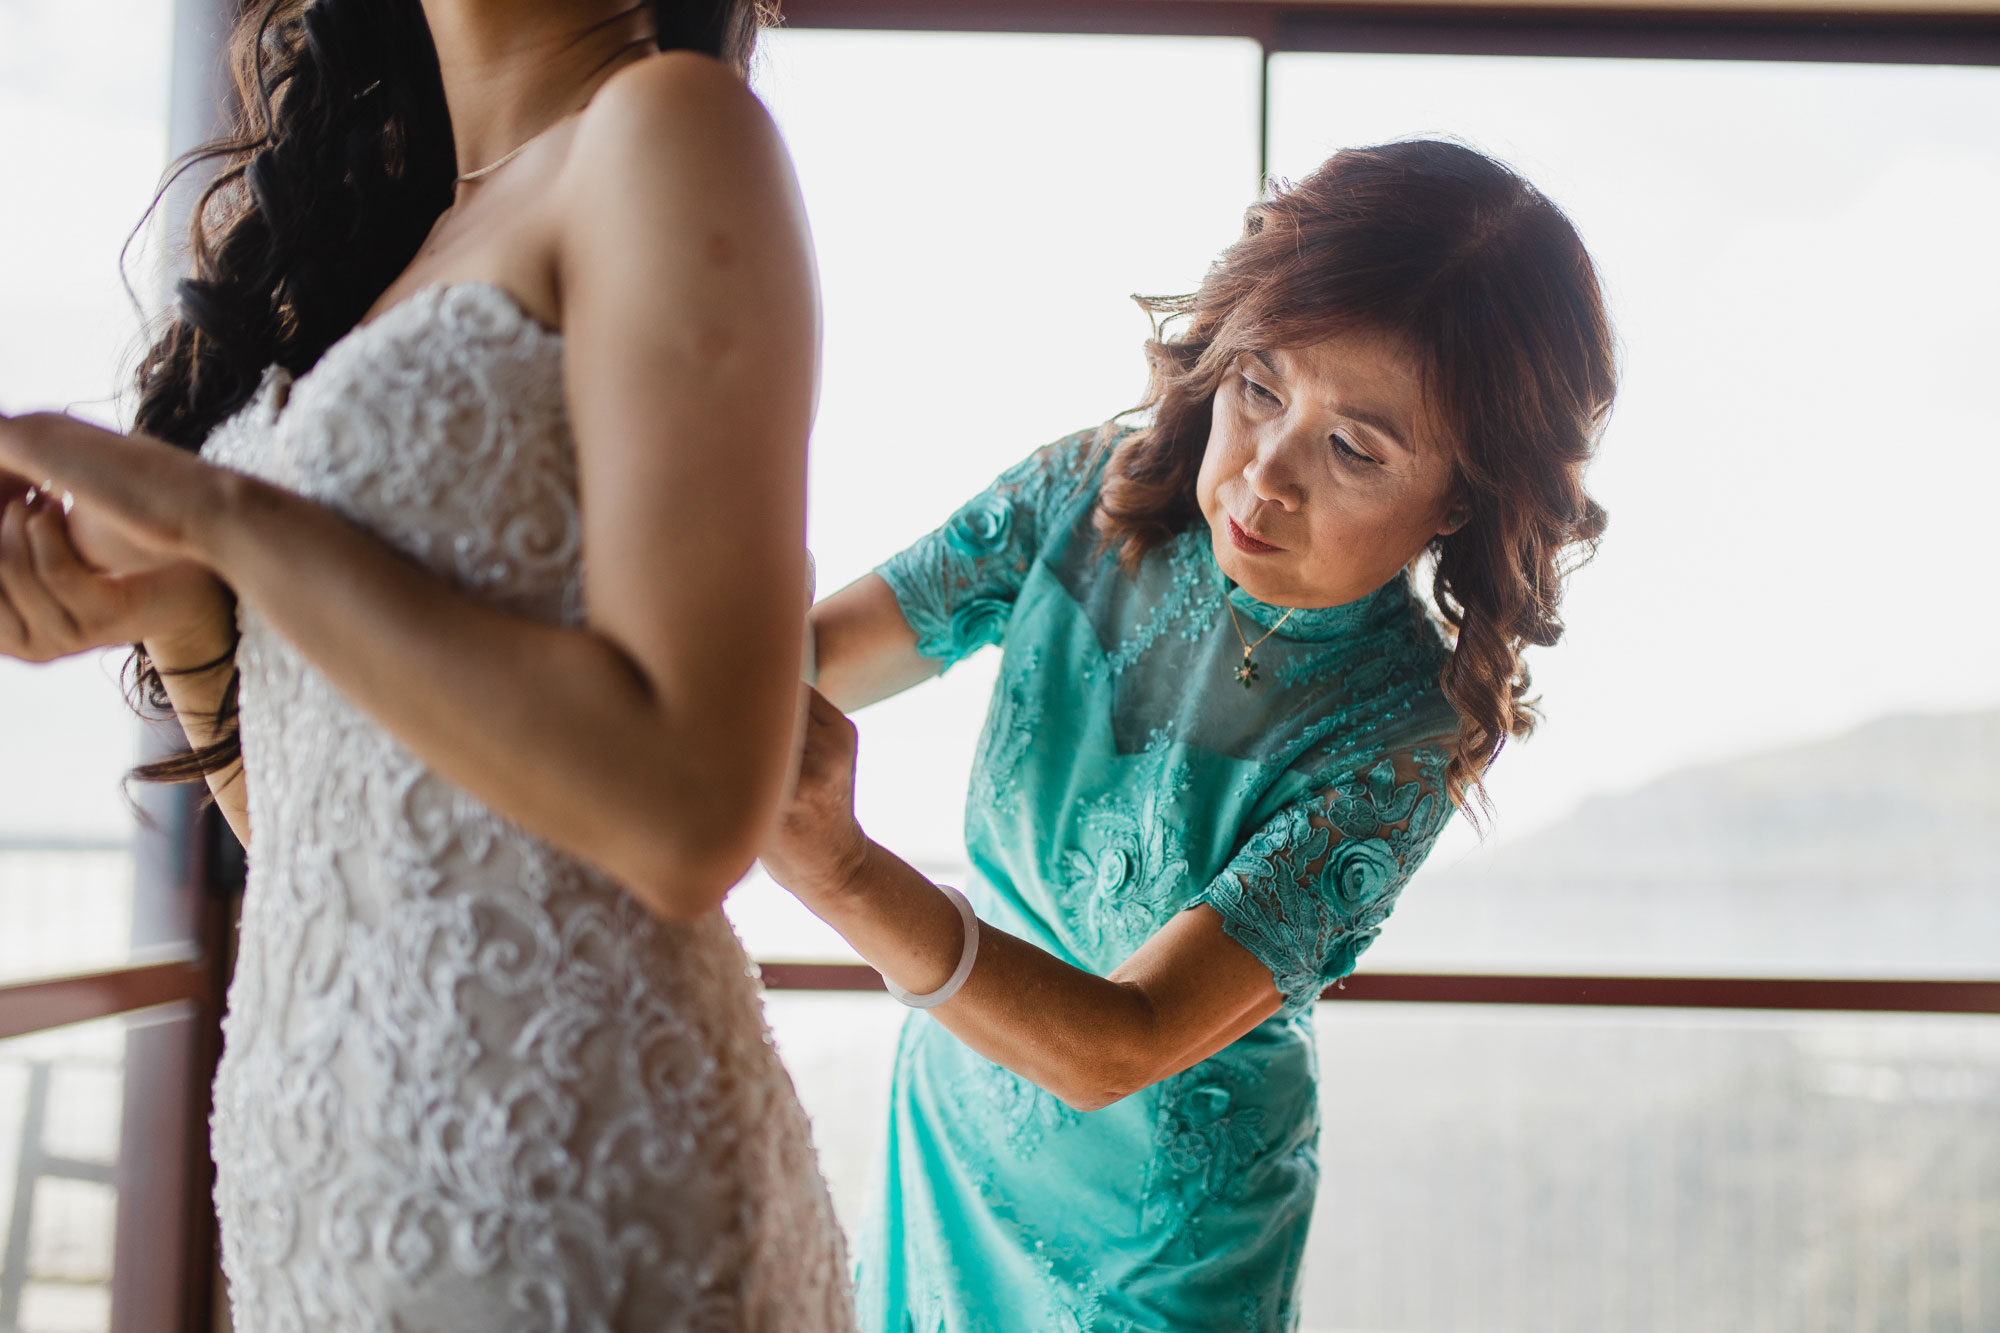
[(682, 243), (677, 113), (673, 153)]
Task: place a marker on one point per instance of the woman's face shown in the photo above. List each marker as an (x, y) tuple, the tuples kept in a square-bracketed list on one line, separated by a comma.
[(1322, 476)]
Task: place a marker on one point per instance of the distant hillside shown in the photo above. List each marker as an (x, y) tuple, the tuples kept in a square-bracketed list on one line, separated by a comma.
[(1874, 850)]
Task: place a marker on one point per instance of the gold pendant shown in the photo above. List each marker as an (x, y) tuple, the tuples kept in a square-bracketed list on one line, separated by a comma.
[(1247, 673)]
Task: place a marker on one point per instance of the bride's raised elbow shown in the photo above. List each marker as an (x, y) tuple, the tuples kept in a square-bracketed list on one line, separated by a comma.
[(684, 878)]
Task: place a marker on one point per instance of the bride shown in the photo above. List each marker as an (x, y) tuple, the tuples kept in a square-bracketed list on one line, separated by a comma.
[(464, 530)]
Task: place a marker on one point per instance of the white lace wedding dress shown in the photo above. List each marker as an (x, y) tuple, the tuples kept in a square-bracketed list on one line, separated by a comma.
[(468, 1083)]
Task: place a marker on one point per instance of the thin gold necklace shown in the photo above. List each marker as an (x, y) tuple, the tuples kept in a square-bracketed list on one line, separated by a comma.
[(480, 173), (477, 173), (1247, 673)]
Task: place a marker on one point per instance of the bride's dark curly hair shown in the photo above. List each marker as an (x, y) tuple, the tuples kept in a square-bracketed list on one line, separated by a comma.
[(339, 162), (1461, 260)]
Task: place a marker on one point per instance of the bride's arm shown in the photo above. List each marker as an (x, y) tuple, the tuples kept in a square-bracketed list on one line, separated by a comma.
[(653, 741), (196, 668)]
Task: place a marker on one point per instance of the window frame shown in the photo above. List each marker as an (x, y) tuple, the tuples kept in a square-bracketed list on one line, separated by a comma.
[(188, 866), (1842, 32)]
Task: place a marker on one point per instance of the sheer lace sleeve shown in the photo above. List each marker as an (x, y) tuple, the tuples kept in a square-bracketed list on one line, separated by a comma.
[(957, 586), (1311, 888)]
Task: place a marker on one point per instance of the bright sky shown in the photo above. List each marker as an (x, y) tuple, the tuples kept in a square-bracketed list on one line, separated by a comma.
[(1799, 261), (1798, 258), (1801, 467), (82, 141)]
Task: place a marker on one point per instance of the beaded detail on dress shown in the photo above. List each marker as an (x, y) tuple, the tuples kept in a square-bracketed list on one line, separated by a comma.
[(468, 1083)]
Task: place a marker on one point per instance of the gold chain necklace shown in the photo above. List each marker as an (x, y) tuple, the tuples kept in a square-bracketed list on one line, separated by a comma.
[(479, 173), (464, 177), (1247, 673)]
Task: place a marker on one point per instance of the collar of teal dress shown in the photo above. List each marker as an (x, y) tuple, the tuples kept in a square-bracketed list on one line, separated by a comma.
[(1307, 624)]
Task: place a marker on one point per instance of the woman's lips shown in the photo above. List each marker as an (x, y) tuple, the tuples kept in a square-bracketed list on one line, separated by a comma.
[(1246, 543)]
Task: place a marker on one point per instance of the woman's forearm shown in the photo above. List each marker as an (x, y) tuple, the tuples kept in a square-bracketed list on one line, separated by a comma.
[(1088, 1039), (193, 646), (195, 667), (865, 650), (557, 728)]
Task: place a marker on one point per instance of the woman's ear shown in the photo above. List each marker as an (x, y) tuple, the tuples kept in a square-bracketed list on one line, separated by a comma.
[(1456, 515)]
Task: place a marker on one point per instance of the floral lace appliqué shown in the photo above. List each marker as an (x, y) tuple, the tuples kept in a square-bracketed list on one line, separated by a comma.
[(1206, 1142), (1310, 890), (1136, 863), (1010, 729), (467, 1082), (957, 590), (1028, 1111)]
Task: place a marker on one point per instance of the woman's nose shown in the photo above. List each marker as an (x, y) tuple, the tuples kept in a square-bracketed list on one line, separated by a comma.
[(1272, 474)]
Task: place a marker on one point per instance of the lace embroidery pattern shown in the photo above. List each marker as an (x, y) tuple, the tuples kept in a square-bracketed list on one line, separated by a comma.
[(1190, 582), (1010, 729), (1311, 889), (1137, 864), (1068, 1268), (1028, 1112), (957, 591), (468, 1083), (1207, 1140)]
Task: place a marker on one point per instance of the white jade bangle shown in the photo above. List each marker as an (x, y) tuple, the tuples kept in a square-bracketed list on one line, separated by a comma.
[(959, 973)]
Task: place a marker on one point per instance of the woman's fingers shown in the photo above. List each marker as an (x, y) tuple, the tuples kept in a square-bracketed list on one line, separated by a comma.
[(821, 712), (45, 627), (81, 592), (13, 629), (151, 493), (818, 707), (49, 548), (830, 736), (57, 605)]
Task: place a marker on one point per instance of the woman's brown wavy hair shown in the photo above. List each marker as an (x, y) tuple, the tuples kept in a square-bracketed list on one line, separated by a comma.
[(1459, 259)]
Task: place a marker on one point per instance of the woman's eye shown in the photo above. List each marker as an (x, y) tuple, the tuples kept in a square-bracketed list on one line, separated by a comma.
[(1258, 391), (1349, 452)]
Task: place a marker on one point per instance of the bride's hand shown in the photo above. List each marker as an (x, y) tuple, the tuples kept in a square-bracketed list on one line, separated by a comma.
[(54, 604), (817, 845), (143, 505)]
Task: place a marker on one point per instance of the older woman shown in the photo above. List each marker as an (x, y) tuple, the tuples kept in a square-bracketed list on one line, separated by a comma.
[(1226, 732)]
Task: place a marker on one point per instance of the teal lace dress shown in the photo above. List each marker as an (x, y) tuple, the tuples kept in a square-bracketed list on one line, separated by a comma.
[(1126, 775)]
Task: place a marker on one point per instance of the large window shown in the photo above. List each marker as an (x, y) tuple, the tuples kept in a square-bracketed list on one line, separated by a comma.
[(94, 94), (1773, 736), (100, 1169), (984, 207)]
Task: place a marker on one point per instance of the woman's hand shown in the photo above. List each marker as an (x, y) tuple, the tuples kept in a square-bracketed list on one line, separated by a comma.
[(145, 505), (54, 603), (817, 847)]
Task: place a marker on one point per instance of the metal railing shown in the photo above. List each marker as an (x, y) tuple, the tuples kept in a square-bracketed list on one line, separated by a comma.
[(32, 1166)]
